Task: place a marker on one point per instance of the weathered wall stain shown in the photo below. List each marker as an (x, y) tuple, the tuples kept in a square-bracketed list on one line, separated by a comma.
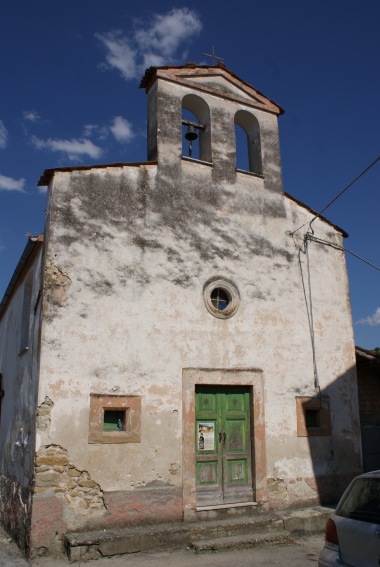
[(208, 235), (43, 414), (54, 276), (56, 283)]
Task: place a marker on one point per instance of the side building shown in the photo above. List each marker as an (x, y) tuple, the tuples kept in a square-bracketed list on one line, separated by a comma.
[(20, 326), (196, 349)]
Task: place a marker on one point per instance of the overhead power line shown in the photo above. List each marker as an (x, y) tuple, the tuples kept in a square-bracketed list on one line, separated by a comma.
[(342, 248), (339, 194)]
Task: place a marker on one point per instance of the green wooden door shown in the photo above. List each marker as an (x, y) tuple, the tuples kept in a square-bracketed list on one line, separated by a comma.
[(223, 445)]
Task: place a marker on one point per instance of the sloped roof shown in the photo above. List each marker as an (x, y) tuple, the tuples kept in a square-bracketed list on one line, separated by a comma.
[(26, 257), (316, 214), (216, 80), (365, 357), (48, 174)]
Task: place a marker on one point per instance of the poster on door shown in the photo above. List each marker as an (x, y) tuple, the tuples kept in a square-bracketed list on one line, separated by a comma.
[(206, 436)]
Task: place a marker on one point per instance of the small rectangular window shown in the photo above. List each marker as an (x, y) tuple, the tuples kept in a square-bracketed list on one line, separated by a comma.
[(114, 420), (313, 416)]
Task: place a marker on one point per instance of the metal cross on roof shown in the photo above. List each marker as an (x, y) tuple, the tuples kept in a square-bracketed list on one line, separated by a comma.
[(213, 56)]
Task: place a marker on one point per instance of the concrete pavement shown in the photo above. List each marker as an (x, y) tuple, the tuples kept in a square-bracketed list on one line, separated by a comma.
[(10, 555), (298, 553)]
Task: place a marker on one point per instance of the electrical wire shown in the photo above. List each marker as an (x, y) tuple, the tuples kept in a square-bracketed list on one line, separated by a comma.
[(339, 194), (309, 306), (310, 236), (304, 249), (316, 380)]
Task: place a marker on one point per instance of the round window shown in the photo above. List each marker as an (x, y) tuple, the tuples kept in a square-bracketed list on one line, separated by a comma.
[(221, 297)]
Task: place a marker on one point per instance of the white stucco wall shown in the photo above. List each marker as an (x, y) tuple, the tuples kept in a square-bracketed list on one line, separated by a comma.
[(128, 252), (132, 316)]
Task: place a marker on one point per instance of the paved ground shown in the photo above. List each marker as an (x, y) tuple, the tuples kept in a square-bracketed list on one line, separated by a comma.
[(301, 553)]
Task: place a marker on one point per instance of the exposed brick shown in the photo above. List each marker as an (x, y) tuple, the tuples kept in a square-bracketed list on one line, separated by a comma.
[(52, 460), (73, 472), (72, 486), (87, 483), (59, 469), (48, 478)]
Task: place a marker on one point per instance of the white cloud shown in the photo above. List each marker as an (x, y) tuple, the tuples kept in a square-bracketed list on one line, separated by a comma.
[(372, 320), (42, 190), (168, 31), (3, 135), (154, 43), (122, 129), (73, 148), (76, 148), (89, 130), (31, 116), (10, 184), (120, 54), (95, 131)]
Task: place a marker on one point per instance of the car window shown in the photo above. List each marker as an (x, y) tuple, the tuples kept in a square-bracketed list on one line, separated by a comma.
[(362, 502)]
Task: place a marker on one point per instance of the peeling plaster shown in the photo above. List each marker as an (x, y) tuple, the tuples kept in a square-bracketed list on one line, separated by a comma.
[(55, 473)]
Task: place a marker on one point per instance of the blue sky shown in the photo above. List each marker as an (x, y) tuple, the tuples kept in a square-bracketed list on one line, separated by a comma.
[(70, 72)]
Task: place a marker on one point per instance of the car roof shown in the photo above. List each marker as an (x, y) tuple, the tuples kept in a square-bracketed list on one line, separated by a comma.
[(371, 474)]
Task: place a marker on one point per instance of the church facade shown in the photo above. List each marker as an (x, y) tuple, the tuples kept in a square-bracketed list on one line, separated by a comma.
[(187, 348)]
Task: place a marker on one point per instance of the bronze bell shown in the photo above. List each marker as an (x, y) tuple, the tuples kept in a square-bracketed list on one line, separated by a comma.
[(191, 133)]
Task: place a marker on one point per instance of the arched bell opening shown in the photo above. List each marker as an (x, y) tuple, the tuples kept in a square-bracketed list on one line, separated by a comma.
[(248, 147), (196, 131)]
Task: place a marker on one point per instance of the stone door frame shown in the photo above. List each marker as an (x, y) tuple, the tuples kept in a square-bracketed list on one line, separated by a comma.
[(251, 377)]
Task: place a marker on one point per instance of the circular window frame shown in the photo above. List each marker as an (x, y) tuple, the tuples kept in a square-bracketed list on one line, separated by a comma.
[(230, 289)]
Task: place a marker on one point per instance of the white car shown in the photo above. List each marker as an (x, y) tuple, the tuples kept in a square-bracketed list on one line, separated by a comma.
[(353, 531)]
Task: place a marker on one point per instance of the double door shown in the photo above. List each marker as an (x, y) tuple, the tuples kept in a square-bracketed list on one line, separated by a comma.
[(223, 445)]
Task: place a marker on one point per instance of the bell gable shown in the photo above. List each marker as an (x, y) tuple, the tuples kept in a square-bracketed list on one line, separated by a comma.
[(216, 80)]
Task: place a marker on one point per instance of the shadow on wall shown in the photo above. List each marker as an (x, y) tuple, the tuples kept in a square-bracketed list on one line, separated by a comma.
[(330, 421), (368, 373)]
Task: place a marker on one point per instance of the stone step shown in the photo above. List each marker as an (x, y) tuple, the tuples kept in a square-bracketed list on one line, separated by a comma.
[(90, 545), (103, 543), (201, 536), (235, 526), (240, 541)]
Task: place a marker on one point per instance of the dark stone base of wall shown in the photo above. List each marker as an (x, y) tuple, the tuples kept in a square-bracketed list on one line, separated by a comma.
[(54, 515), (48, 525), (146, 505), (15, 512)]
